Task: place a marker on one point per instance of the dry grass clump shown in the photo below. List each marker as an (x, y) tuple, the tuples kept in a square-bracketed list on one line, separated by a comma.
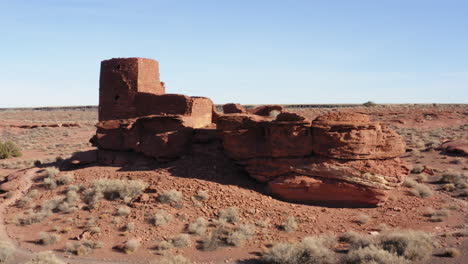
[(82, 248), (417, 169), (290, 225), (46, 257), (459, 179), (6, 251), (48, 239), (163, 246), (177, 259), (50, 181), (436, 215), (460, 233), (66, 179), (421, 190), (312, 250), (240, 234), (129, 227), (411, 244), (201, 195), (131, 246), (161, 218), (198, 227), (451, 252), (356, 240), (171, 196), (182, 240), (373, 255), (124, 211), (408, 244), (229, 215), (227, 236), (362, 219), (410, 183), (8, 150), (112, 189), (27, 198)]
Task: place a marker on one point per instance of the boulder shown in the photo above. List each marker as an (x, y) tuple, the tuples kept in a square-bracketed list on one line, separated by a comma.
[(347, 135), (325, 191), (382, 174), (457, 147), (232, 108)]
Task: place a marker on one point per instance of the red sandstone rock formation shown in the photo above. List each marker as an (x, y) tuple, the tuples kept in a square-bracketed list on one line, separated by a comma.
[(356, 162), (232, 108), (346, 135), (458, 147), (341, 158)]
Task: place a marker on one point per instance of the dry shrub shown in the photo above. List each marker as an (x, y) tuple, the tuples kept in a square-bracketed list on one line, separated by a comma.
[(436, 215), (8, 150), (421, 190), (290, 225), (411, 244), (460, 233), (6, 251), (201, 195), (124, 211), (171, 196), (356, 240), (48, 239), (230, 215), (163, 245), (177, 259), (214, 239), (182, 240), (312, 250), (410, 183), (459, 179), (66, 179), (417, 169), (198, 227), (239, 235), (46, 257), (112, 189), (129, 227), (83, 248), (372, 255), (161, 218), (451, 252), (131, 246), (362, 219)]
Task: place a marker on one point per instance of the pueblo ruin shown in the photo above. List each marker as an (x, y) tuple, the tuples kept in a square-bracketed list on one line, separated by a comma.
[(340, 158)]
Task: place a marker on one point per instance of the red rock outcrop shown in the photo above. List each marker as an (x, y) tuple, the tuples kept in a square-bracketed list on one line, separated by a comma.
[(232, 108), (457, 147), (340, 157), (346, 135)]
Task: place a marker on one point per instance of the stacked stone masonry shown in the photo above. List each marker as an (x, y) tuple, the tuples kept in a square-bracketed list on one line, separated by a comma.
[(340, 158)]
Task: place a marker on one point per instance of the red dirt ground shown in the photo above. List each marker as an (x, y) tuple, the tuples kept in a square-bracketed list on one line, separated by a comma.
[(207, 169)]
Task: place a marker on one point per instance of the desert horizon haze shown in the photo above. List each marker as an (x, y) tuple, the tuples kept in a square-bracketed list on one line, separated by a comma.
[(251, 52)]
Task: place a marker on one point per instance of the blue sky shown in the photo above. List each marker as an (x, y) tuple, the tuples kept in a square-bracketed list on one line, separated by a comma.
[(348, 51)]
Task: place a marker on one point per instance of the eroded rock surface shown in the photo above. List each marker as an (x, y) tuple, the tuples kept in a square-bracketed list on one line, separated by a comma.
[(338, 157)]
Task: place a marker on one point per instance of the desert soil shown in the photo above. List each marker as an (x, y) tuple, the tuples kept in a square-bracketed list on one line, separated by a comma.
[(206, 168)]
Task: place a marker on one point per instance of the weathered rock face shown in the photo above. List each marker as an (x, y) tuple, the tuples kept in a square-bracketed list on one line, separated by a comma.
[(232, 108), (344, 135), (249, 136), (340, 157), (458, 147)]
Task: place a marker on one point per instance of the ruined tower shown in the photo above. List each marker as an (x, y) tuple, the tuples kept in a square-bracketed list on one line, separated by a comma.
[(121, 79)]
